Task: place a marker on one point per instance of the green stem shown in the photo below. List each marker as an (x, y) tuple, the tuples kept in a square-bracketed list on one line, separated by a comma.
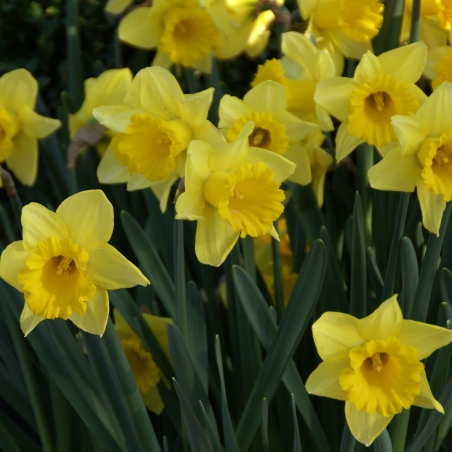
[(179, 277), (248, 256), (75, 78), (17, 208), (415, 29), (398, 430), (277, 273), (61, 418), (213, 80), (365, 156)]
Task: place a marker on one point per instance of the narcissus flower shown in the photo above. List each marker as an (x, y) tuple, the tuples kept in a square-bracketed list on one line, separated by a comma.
[(382, 87), (64, 265), (154, 126), (374, 365), (424, 158), (299, 70), (20, 126), (275, 129), (183, 31), (232, 190), (145, 370), (109, 88), (343, 27)]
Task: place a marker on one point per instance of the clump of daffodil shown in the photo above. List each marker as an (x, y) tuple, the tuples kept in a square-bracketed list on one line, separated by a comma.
[(153, 128), (109, 88), (299, 70), (20, 126), (275, 129), (231, 189), (343, 27), (145, 370), (243, 27), (64, 265), (382, 87), (424, 158), (183, 31), (374, 365)]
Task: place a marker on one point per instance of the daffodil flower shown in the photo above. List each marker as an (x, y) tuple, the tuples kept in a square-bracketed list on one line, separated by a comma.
[(275, 129), (153, 128), (424, 158), (439, 65), (299, 70), (20, 126), (343, 27), (232, 190), (183, 31), (382, 87), (145, 370), (374, 365), (64, 265), (109, 88)]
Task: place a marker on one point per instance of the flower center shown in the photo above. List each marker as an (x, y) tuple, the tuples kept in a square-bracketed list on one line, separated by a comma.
[(189, 34), (150, 145), (373, 105), (444, 70), (267, 134), (9, 127), (48, 294), (384, 376)]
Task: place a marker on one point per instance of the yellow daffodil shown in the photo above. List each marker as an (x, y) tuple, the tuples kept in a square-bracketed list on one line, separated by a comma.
[(117, 6), (343, 27), (243, 27), (232, 190), (382, 87), (109, 88), (424, 158), (374, 365), (275, 129), (64, 265), (439, 65), (154, 126), (145, 370), (183, 31), (301, 68), (20, 126)]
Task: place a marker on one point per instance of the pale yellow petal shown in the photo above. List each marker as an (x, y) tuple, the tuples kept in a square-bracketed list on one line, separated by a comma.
[(424, 337), (306, 7), (297, 154), (324, 381), (95, 319), (368, 68), (425, 399), (347, 46), (162, 59), (325, 121), (345, 142), (40, 223), (109, 269), (395, 172), (384, 322), (114, 117), (197, 168), (195, 107), (159, 326), (234, 42), (231, 109), (208, 132), (267, 96), (23, 160), (161, 190), (122, 328), (138, 182), (409, 132), (117, 6), (296, 129), (110, 171), (88, 216), (37, 126), (260, 34), (365, 427), (333, 94), (204, 64), (153, 401), (432, 207), (28, 320), (18, 89), (432, 34), (215, 238), (335, 334), (13, 260), (433, 57), (190, 205)]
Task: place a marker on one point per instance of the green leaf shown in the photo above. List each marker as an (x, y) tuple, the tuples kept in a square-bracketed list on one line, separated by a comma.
[(74, 54), (410, 276), (179, 278), (208, 426), (265, 424), (383, 442), (348, 441), (389, 36), (375, 279), (296, 434), (398, 430)]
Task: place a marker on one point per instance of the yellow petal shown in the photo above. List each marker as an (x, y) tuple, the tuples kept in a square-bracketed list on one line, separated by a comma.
[(345, 142), (197, 168), (426, 399), (432, 34), (297, 154), (195, 107), (384, 322), (260, 34), (395, 172), (325, 122), (137, 182), (123, 329), (159, 326), (153, 401), (424, 337), (117, 6), (95, 319), (109, 269), (296, 129), (162, 59), (267, 96), (231, 109), (324, 381), (141, 28), (110, 171), (215, 238), (35, 125), (114, 117), (234, 42), (204, 64), (409, 132), (335, 334), (88, 216), (406, 63), (306, 7), (368, 68), (333, 94), (161, 190), (190, 205), (347, 46), (23, 160), (18, 89), (432, 207), (28, 320), (208, 132), (40, 223), (365, 427), (282, 167), (12, 261), (433, 57)]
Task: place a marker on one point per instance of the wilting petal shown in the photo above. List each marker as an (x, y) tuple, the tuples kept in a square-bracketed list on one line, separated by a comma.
[(95, 319), (12, 261), (425, 399), (28, 320), (432, 207), (23, 160), (18, 89)]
